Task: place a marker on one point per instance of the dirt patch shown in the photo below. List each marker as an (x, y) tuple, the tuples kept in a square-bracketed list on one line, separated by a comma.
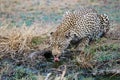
[(114, 33)]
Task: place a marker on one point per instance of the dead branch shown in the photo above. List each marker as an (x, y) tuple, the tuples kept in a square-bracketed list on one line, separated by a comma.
[(63, 73), (102, 73), (106, 72), (47, 77)]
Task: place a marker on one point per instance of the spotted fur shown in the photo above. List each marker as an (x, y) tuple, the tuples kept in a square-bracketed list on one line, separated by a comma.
[(85, 23)]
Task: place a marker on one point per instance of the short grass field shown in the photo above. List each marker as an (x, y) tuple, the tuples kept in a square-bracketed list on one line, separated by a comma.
[(25, 27)]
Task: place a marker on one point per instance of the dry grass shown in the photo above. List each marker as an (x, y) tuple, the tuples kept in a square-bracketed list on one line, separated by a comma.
[(19, 39), (84, 60)]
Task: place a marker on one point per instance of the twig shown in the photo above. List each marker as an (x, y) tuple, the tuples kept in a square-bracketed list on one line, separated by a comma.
[(107, 72), (101, 73), (103, 63), (48, 75), (63, 73)]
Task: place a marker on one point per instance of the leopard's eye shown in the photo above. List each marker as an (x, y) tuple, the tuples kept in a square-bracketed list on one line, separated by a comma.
[(59, 46), (66, 36)]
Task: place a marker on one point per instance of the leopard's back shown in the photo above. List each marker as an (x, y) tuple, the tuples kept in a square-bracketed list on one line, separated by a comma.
[(74, 21)]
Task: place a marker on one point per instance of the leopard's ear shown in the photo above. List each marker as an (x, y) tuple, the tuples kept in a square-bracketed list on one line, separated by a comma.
[(51, 33), (66, 13)]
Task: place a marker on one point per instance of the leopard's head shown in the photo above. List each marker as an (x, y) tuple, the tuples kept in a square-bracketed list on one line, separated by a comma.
[(58, 44)]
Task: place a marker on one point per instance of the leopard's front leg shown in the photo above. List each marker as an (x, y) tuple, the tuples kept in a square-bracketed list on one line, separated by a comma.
[(84, 42)]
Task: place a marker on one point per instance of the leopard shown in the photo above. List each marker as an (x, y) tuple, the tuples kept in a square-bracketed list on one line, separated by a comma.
[(83, 25)]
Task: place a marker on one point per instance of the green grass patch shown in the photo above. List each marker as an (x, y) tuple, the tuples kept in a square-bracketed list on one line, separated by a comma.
[(37, 40)]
